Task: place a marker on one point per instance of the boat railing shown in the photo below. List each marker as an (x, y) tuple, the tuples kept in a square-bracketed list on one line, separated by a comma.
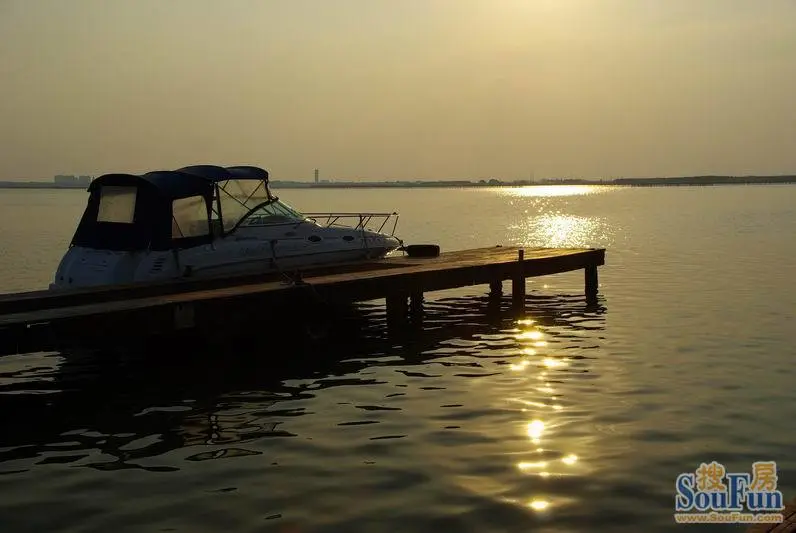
[(360, 221)]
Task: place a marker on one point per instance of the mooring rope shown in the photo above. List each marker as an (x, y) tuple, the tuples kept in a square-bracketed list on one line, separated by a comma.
[(295, 279)]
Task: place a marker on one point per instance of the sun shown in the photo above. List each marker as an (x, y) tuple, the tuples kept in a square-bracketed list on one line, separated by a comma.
[(541, 6)]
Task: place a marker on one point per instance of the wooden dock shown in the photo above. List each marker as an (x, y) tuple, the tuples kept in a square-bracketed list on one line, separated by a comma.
[(200, 304)]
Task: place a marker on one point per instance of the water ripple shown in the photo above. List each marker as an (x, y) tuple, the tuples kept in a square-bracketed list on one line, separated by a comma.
[(572, 417)]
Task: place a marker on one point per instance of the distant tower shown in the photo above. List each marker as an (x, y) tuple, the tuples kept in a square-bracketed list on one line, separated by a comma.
[(316, 175)]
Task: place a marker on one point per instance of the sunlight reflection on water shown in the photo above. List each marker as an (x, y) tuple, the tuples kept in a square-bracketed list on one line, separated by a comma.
[(561, 230), (556, 216), (556, 190), (542, 415)]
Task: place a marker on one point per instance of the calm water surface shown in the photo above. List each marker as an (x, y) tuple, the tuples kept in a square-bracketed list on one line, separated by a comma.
[(571, 418)]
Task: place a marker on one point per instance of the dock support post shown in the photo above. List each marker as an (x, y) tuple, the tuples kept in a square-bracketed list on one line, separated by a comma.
[(518, 282), (416, 307), (592, 282), (184, 316), (397, 308), (496, 289)]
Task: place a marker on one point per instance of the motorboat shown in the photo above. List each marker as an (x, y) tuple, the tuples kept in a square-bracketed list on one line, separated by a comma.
[(208, 220)]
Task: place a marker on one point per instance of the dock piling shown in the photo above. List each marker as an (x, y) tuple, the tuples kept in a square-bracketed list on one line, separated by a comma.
[(416, 303), (495, 289), (416, 308), (397, 308), (592, 281), (518, 282), (184, 316)]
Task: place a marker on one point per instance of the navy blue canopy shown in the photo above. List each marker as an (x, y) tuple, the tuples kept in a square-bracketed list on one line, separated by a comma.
[(196, 180), (215, 173), (164, 183), (154, 193)]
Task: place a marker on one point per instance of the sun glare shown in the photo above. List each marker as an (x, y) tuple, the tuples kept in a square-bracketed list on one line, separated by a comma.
[(557, 230), (570, 459), (554, 190), (532, 335), (535, 429), (539, 505), (540, 7)]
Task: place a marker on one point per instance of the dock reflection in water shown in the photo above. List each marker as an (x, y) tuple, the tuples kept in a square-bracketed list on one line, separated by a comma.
[(479, 422)]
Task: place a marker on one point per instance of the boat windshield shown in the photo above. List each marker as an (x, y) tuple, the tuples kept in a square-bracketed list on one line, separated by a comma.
[(273, 212), (237, 196)]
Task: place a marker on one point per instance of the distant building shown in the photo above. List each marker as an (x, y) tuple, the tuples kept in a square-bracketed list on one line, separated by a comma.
[(69, 179)]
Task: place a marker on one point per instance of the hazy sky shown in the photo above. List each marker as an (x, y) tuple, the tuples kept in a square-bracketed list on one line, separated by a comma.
[(389, 89)]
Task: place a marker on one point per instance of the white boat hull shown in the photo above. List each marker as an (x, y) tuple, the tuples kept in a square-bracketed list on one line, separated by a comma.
[(248, 252), (205, 221)]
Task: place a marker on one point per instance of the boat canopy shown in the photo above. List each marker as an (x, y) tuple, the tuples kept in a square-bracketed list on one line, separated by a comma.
[(238, 190), (169, 209), (214, 173)]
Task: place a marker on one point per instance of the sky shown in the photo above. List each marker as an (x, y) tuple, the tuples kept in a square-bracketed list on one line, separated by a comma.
[(399, 89)]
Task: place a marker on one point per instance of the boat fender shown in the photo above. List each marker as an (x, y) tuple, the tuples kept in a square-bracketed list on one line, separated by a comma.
[(422, 250)]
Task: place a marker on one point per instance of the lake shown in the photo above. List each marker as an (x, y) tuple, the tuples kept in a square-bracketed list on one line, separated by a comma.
[(570, 418)]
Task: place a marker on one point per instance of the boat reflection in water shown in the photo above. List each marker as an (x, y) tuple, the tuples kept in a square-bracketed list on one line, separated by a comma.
[(405, 403)]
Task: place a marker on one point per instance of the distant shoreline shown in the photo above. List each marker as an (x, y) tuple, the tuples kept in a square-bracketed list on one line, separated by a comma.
[(690, 181)]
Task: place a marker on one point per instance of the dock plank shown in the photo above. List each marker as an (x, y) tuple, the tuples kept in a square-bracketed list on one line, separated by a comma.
[(399, 276), (41, 299), (409, 266)]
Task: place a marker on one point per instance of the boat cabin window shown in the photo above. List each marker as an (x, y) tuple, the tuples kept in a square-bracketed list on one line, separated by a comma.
[(275, 212), (237, 197), (189, 217), (117, 204)]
